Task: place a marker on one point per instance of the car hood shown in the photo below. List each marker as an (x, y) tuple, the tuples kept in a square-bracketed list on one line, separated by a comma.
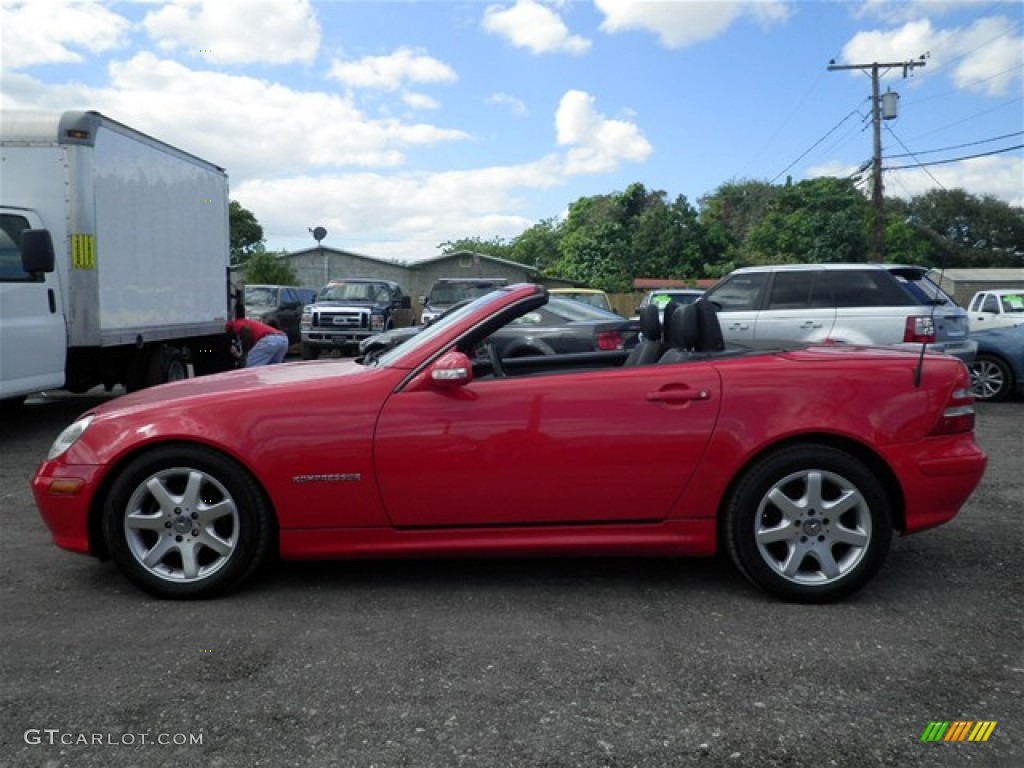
[(336, 304), (241, 383)]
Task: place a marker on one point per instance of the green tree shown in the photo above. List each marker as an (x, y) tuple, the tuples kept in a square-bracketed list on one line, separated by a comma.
[(496, 246), (264, 267), (246, 234), (963, 230), (818, 221), (539, 246)]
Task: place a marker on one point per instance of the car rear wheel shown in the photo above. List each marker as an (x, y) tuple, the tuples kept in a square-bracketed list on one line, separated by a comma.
[(991, 378), (809, 524), (186, 521)]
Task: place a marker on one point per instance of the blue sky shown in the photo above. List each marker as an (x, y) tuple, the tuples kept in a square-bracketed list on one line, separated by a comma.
[(400, 125)]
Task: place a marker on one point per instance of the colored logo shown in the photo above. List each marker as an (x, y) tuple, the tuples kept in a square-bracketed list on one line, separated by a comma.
[(958, 730)]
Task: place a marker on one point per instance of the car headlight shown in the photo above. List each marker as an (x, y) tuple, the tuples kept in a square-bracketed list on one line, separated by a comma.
[(69, 437)]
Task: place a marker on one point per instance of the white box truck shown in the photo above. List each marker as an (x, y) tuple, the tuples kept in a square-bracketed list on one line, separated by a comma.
[(114, 253)]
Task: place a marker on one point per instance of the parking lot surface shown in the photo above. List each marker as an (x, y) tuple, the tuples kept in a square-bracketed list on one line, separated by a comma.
[(562, 662)]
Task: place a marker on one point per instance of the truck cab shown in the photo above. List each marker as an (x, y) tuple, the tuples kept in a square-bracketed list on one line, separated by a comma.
[(33, 336), (996, 309)]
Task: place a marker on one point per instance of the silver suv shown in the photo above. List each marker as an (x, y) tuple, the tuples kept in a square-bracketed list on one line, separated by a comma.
[(876, 304)]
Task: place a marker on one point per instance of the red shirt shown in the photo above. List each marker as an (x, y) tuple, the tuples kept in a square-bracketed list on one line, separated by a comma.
[(257, 329)]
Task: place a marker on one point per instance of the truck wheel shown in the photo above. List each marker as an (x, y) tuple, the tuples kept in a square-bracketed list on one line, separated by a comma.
[(166, 364), (809, 523), (186, 522), (309, 352)]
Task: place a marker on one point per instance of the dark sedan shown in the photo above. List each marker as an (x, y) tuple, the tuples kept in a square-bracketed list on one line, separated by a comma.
[(561, 326), (998, 368)]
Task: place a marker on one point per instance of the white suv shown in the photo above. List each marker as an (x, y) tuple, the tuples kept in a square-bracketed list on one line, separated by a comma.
[(876, 304)]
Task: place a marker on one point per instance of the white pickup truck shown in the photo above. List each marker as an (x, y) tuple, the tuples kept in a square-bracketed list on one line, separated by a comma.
[(996, 309)]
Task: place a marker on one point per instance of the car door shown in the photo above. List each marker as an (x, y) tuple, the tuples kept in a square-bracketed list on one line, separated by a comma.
[(617, 445), (289, 311), (795, 311), (33, 337)]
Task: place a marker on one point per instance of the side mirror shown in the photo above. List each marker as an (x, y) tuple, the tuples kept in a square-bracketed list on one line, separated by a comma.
[(37, 251), (452, 369)]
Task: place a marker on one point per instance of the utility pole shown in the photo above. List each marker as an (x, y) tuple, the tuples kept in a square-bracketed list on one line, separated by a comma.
[(877, 202)]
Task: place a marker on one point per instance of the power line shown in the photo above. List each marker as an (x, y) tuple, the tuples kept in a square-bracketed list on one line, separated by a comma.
[(919, 163), (947, 149), (956, 159), (810, 149)]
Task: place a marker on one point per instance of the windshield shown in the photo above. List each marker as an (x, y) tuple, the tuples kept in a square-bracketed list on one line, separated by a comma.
[(598, 300), (377, 292), (923, 289), (260, 296), (436, 329), (572, 310), (449, 293)]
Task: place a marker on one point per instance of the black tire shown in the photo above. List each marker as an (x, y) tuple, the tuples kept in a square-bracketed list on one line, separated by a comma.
[(991, 378), (206, 530), (309, 352), (166, 364), (784, 533)]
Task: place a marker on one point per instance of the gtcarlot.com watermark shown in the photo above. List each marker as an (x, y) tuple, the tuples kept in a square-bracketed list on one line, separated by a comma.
[(57, 737)]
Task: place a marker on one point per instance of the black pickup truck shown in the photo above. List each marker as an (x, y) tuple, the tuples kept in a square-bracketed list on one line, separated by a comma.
[(347, 311)]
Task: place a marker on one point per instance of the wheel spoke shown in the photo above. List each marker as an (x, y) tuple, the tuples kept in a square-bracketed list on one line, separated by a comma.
[(221, 546), (855, 537), (813, 497), (159, 492), (826, 562), (140, 522), (789, 508), (189, 564), (192, 497), (847, 501), (214, 512), (153, 557), (780, 532), (791, 565)]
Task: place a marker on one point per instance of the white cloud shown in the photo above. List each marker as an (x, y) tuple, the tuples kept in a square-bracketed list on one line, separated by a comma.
[(528, 24), (597, 143), (898, 11), (986, 56), (54, 32), (405, 215), (420, 100), (680, 24), (391, 72), (516, 106), (237, 31), (250, 126)]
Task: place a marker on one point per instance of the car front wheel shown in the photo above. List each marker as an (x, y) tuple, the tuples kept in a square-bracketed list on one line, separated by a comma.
[(809, 524), (991, 378), (186, 521)]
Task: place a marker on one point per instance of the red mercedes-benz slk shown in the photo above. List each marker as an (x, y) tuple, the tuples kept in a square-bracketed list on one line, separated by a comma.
[(799, 461)]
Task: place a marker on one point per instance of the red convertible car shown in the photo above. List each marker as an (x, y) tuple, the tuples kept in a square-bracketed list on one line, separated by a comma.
[(799, 462)]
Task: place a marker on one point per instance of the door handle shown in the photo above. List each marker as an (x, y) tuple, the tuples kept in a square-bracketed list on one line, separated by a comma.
[(739, 326), (810, 324), (673, 396)]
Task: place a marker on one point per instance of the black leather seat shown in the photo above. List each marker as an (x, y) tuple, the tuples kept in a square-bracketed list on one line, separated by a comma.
[(650, 348), (693, 332)]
